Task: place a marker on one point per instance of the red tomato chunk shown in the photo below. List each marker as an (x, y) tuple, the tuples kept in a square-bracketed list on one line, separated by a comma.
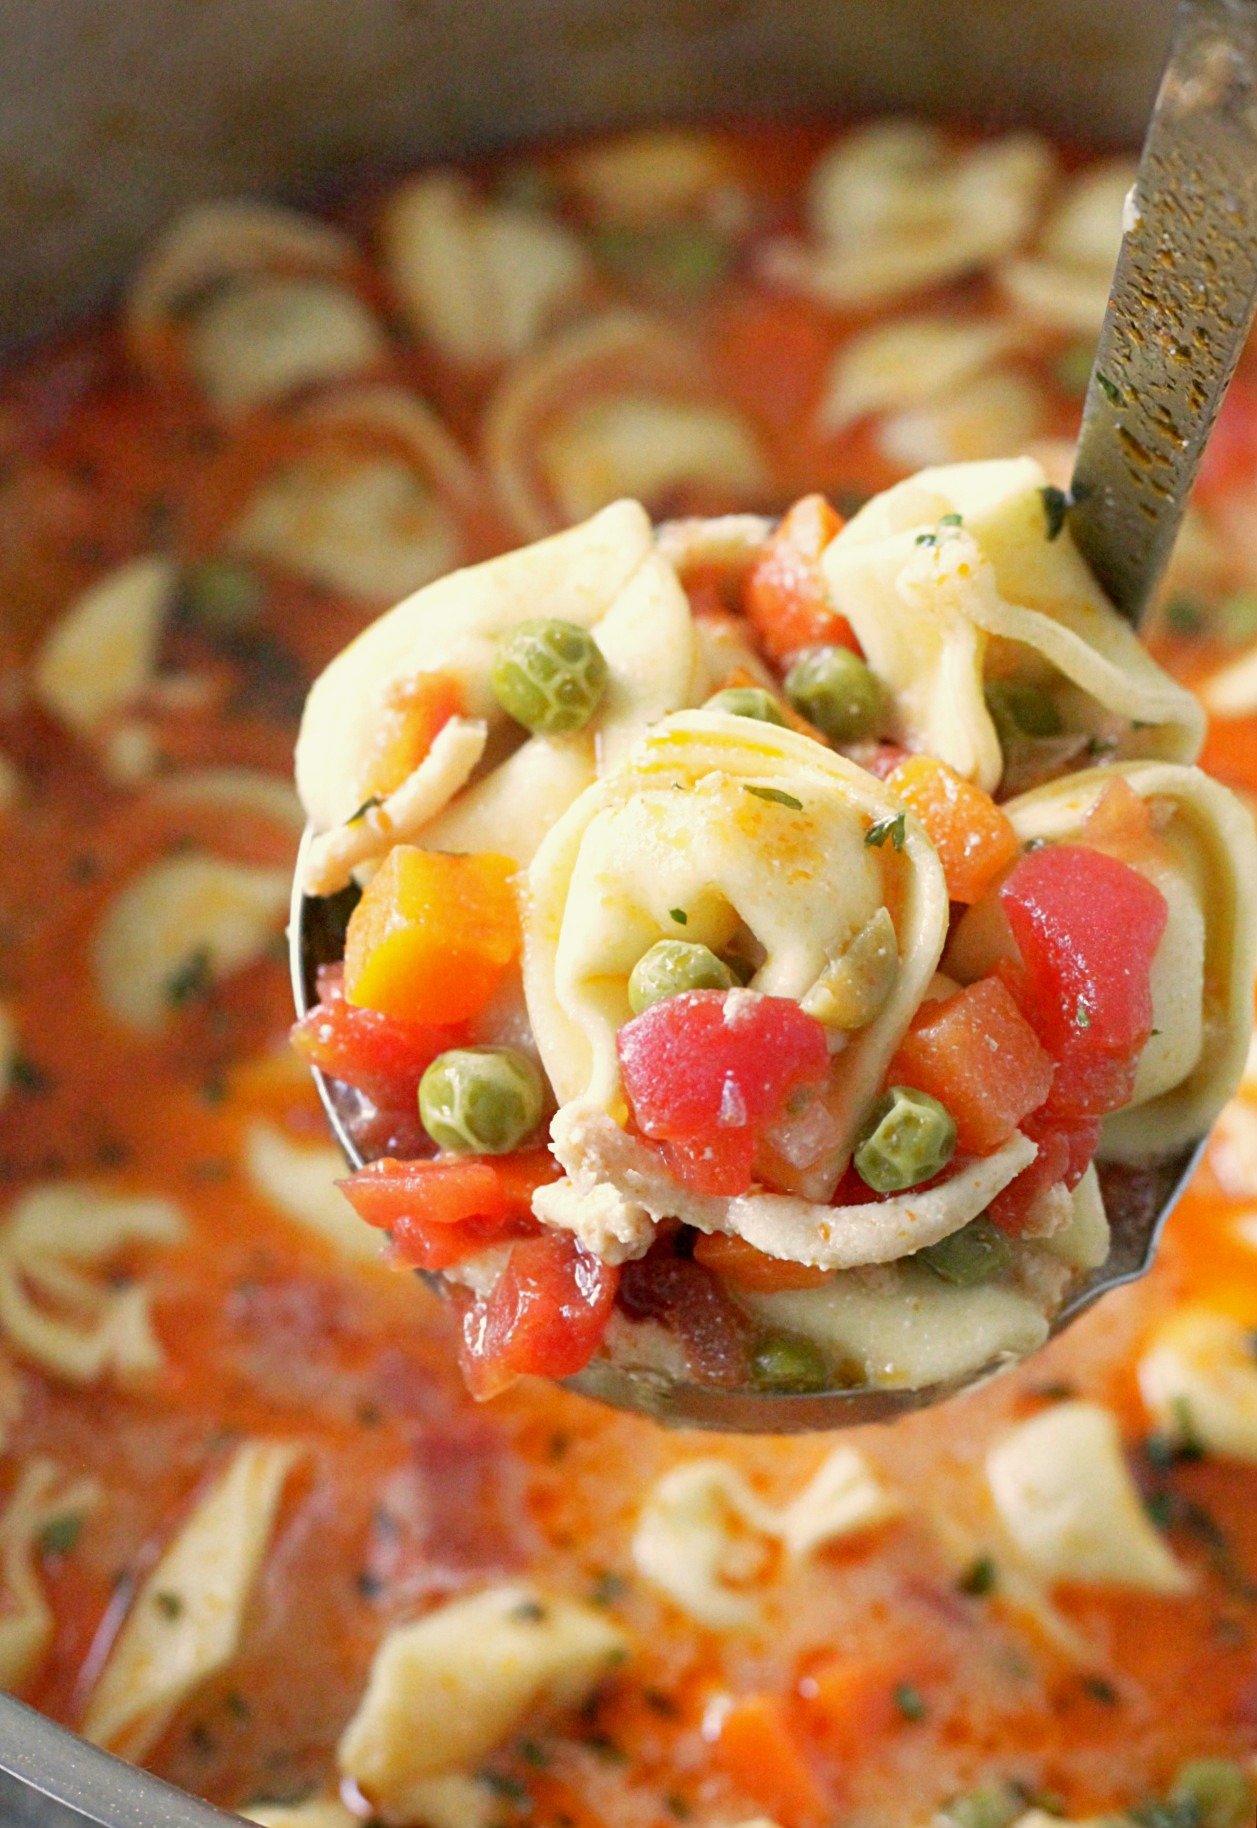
[(383, 1056), (439, 1212), (545, 1318), (787, 602), (979, 1056), (708, 1071)]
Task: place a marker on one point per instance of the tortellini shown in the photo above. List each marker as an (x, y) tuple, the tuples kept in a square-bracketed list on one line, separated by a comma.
[(1065, 282), (43, 1496), (102, 652), (1199, 1382), (481, 279), (892, 211), (185, 1622), (1205, 865), (604, 575), (958, 577), (254, 302), (300, 1182), (615, 406)]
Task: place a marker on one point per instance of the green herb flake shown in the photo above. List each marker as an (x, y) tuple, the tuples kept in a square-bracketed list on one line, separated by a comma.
[(680, 916), (910, 1701), (604, 1747), (776, 796), (534, 1755), (529, 1612), (193, 978), (1056, 506), (979, 1578), (1111, 391), (60, 1534), (510, 1789), (1082, 1015), (893, 829), (1100, 1689), (26, 1075), (679, 1806), (169, 1604), (1185, 616), (368, 805), (608, 1588)]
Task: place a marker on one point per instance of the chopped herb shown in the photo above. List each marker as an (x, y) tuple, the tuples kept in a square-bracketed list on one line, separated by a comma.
[(893, 828), (236, 1705), (1056, 506), (1101, 1689), (1161, 1508), (510, 1789), (193, 978), (1111, 391), (952, 520), (685, 258), (202, 1740), (679, 1806), (1082, 1015), (1059, 1392), (1098, 746), (776, 795), (661, 1703), (680, 916), (221, 597), (1185, 616), (1155, 1814), (169, 1604), (910, 1701), (948, 526), (608, 1588), (560, 1441), (606, 1748), (534, 1755), (979, 1578), (60, 1534), (528, 1612), (1163, 1451), (368, 1585), (26, 1075), (369, 1415), (368, 805)]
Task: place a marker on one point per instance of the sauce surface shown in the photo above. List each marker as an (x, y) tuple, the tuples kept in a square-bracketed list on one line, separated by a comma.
[(405, 1493)]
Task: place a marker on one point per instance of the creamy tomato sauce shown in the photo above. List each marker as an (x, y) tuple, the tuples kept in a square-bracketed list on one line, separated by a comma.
[(899, 1679)]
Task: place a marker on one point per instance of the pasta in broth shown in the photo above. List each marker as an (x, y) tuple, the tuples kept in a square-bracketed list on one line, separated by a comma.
[(729, 940)]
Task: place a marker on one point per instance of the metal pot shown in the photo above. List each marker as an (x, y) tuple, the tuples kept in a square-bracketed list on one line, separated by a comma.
[(114, 115)]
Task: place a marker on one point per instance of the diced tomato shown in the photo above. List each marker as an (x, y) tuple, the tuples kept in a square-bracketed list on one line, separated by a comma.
[(1120, 823), (884, 759), (1065, 1151), (1087, 928), (743, 1267), (545, 1318), (683, 1295), (758, 1749), (787, 602), (706, 1072), (979, 1056), (383, 1056), (974, 837), (1230, 459), (413, 715), (439, 1212)]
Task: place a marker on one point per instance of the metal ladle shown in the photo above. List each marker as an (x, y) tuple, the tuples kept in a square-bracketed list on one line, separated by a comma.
[(1182, 301)]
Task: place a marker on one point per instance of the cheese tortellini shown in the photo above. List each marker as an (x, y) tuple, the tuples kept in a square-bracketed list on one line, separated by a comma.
[(959, 578)]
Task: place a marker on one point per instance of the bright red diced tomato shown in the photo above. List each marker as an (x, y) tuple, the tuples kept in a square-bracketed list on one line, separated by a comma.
[(545, 1317), (1065, 1151), (1087, 928), (383, 1056), (439, 1212), (977, 1054), (709, 1070)]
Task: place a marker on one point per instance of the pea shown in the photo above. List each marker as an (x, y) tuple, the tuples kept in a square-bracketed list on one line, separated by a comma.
[(674, 965), (549, 675), (978, 1252), (993, 1806), (1019, 710), (834, 690), (480, 1100), (1215, 1793), (783, 1361), (908, 1138), (747, 701), (221, 596)]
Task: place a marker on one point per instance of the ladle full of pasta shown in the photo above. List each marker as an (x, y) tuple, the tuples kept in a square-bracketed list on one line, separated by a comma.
[(773, 975)]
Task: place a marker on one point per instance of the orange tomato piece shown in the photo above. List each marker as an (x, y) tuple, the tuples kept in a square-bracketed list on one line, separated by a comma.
[(787, 602), (758, 1750), (414, 714), (739, 1263), (977, 1054), (433, 935), (974, 838)]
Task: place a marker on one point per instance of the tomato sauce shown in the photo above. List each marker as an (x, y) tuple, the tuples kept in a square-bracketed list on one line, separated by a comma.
[(407, 1492)]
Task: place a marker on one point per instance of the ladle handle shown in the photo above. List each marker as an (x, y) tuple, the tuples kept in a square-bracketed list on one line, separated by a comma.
[(1182, 301)]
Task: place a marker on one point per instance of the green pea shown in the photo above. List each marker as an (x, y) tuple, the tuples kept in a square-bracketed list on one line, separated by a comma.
[(783, 1361), (978, 1252), (221, 596), (480, 1100), (674, 965), (908, 1138), (1019, 710), (834, 690), (747, 701), (1215, 1793), (549, 675), (993, 1806)]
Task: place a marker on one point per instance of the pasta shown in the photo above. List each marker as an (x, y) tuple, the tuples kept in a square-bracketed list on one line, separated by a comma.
[(103, 651), (43, 1496)]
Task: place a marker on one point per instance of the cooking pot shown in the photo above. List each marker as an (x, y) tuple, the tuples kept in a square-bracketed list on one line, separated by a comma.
[(115, 115)]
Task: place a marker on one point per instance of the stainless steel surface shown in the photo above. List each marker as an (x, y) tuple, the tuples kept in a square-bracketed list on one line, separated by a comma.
[(1138, 1203), (1181, 306), (114, 113)]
